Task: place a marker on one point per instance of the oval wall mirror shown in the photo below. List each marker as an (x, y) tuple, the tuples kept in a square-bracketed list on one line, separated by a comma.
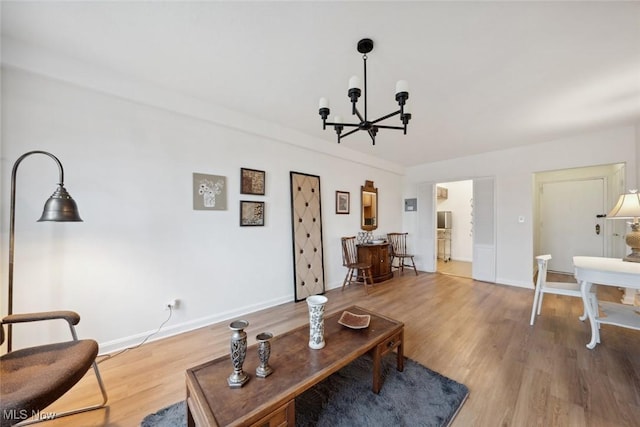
[(369, 206)]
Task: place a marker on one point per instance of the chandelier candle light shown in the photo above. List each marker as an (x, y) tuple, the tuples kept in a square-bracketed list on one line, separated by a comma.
[(370, 126)]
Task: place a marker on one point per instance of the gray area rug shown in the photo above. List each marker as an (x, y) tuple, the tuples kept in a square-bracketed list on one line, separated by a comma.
[(416, 397)]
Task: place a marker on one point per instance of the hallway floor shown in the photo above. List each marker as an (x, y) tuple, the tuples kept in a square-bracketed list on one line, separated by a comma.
[(455, 268)]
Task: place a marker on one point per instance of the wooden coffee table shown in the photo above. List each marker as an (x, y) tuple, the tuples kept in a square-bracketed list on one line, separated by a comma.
[(271, 401)]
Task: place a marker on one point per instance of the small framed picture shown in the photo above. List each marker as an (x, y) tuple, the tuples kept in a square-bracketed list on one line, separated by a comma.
[(251, 213), (342, 202), (252, 181), (209, 192)]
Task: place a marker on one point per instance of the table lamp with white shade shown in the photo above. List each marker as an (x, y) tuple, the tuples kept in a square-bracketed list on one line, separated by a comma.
[(628, 207)]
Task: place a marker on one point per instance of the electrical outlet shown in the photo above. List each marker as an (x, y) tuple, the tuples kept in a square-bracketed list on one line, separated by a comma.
[(173, 304)]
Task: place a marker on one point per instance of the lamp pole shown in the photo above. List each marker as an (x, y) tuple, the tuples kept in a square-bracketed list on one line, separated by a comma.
[(60, 207)]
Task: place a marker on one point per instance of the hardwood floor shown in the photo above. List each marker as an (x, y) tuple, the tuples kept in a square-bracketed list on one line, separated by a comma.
[(455, 268), (474, 332)]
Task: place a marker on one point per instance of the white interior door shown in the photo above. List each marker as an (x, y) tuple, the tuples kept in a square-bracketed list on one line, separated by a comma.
[(569, 222), (484, 230), (425, 245)]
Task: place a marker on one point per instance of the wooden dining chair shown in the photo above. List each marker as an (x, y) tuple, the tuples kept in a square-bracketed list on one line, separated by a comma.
[(361, 270), (543, 286), (398, 243)]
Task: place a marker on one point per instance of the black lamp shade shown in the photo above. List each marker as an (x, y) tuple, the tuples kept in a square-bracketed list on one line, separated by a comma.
[(60, 207)]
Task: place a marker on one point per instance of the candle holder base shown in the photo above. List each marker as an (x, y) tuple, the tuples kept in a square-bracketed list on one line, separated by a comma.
[(263, 373), (237, 380)]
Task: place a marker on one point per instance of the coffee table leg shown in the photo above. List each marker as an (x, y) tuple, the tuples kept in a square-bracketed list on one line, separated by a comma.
[(400, 352), (377, 359), (190, 421), (376, 369)]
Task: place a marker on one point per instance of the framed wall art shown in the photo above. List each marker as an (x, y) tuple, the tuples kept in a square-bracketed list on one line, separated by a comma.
[(342, 202), (209, 192), (252, 181), (251, 213)]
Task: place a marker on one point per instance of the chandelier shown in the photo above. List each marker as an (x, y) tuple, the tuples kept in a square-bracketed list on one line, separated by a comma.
[(370, 126)]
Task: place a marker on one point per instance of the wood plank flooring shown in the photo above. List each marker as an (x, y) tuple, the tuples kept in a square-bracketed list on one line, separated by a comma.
[(474, 332), (455, 268)]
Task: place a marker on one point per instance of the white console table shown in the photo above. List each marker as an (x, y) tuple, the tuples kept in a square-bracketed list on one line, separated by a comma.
[(610, 272)]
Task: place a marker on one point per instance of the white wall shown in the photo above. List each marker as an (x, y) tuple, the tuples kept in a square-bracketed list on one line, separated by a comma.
[(459, 203), (129, 151), (513, 172), (129, 166)]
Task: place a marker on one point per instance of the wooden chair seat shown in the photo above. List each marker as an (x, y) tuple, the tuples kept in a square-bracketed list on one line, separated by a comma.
[(359, 265)]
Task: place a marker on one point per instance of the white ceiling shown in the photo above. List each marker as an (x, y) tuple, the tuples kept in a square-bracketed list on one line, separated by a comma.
[(483, 75)]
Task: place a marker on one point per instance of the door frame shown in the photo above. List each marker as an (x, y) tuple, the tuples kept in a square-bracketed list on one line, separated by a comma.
[(484, 254), (614, 177), (604, 243)]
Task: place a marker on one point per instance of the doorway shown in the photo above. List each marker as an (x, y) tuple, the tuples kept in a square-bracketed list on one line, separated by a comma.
[(570, 215), (454, 228), (483, 232), (571, 221)]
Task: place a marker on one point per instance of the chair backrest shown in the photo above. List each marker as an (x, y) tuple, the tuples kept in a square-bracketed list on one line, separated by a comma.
[(398, 242), (349, 250), (543, 261)]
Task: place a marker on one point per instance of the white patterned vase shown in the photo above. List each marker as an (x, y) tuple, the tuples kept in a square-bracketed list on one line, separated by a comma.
[(316, 305)]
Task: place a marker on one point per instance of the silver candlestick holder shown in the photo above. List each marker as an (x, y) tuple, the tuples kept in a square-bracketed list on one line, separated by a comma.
[(238, 353), (264, 351)]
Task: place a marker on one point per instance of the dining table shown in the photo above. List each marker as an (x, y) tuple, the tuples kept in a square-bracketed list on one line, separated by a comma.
[(591, 270)]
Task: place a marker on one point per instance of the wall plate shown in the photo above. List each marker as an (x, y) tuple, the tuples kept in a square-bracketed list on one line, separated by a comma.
[(410, 205)]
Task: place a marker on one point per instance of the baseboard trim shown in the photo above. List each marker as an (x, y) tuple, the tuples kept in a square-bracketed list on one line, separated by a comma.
[(169, 331), (517, 284)]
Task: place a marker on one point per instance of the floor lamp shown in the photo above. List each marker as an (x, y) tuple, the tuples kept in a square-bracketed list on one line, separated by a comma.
[(60, 207)]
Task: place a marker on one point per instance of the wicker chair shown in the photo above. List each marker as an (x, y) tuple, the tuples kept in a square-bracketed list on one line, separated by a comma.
[(35, 377)]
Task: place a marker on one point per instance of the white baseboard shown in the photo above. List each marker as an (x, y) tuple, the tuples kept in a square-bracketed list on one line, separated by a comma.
[(518, 284), (168, 331), (462, 259)]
